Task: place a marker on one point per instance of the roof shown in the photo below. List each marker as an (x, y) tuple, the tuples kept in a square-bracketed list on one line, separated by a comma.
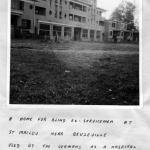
[(101, 9)]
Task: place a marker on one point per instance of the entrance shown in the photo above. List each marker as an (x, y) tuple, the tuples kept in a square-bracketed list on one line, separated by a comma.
[(14, 26), (92, 35), (77, 34)]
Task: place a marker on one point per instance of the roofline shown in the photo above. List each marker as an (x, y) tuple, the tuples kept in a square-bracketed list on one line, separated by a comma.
[(103, 10)]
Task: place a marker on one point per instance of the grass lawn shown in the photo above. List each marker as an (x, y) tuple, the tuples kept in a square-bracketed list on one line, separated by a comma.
[(105, 75)]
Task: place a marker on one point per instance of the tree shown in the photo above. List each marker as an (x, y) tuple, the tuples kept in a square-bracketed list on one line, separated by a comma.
[(125, 12)]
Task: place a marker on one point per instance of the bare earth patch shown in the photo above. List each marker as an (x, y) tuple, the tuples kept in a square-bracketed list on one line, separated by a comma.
[(74, 73)]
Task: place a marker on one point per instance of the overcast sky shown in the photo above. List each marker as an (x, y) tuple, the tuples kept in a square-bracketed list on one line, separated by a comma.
[(110, 5)]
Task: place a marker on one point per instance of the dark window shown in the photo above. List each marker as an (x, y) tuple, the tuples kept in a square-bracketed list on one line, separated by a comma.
[(21, 5), (77, 18), (83, 19), (65, 16), (98, 34), (60, 2), (50, 3), (77, 6), (40, 11), (110, 33), (101, 23), (70, 17), (56, 14), (60, 15), (100, 13), (56, 10), (113, 25), (31, 6), (92, 34), (44, 26), (71, 6), (50, 12), (84, 8), (85, 33), (26, 24), (56, 30), (44, 30), (67, 32)]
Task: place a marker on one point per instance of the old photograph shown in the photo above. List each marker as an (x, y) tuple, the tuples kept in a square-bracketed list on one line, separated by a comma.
[(74, 52)]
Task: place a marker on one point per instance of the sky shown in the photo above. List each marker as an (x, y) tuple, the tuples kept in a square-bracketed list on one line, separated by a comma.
[(110, 5)]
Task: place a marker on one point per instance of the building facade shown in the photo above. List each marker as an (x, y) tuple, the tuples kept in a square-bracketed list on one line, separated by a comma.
[(119, 30), (64, 19)]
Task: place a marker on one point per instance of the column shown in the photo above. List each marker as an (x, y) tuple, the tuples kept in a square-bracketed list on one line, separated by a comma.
[(88, 34), (72, 33), (101, 36), (123, 35), (38, 28), (51, 31), (62, 32), (95, 39), (81, 34)]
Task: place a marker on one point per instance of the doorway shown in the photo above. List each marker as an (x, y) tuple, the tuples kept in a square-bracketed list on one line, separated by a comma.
[(77, 34)]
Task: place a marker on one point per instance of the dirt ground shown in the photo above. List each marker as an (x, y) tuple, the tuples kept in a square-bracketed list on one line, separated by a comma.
[(76, 73)]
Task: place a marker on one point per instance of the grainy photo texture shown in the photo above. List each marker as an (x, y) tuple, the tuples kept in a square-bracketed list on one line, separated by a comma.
[(74, 52)]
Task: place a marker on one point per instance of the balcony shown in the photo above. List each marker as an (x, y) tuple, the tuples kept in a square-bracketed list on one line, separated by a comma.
[(17, 7)]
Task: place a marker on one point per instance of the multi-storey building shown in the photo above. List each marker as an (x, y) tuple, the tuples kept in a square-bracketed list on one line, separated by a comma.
[(67, 19), (120, 30)]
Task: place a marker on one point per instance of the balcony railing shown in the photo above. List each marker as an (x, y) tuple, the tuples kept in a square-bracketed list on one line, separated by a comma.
[(17, 7)]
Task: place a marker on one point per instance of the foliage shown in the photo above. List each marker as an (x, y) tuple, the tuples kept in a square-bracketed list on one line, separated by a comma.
[(125, 12)]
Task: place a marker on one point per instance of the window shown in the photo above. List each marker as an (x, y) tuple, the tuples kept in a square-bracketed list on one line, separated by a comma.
[(21, 5), (101, 23), (50, 12), (98, 34), (71, 5), (56, 14), (77, 6), (65, 16), (60, 8), (31, 6), (100, 13), (77, 18), (84, 19), (44, 29), (70, 17), (26, 24), (85, 33), (113, 25), (50, 3), (110, 33), (60, 15), (67, 32), (60, 2), (56, 30), (92, 34), (84, 8), (125, 26), (40, 11), (56, 11)]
